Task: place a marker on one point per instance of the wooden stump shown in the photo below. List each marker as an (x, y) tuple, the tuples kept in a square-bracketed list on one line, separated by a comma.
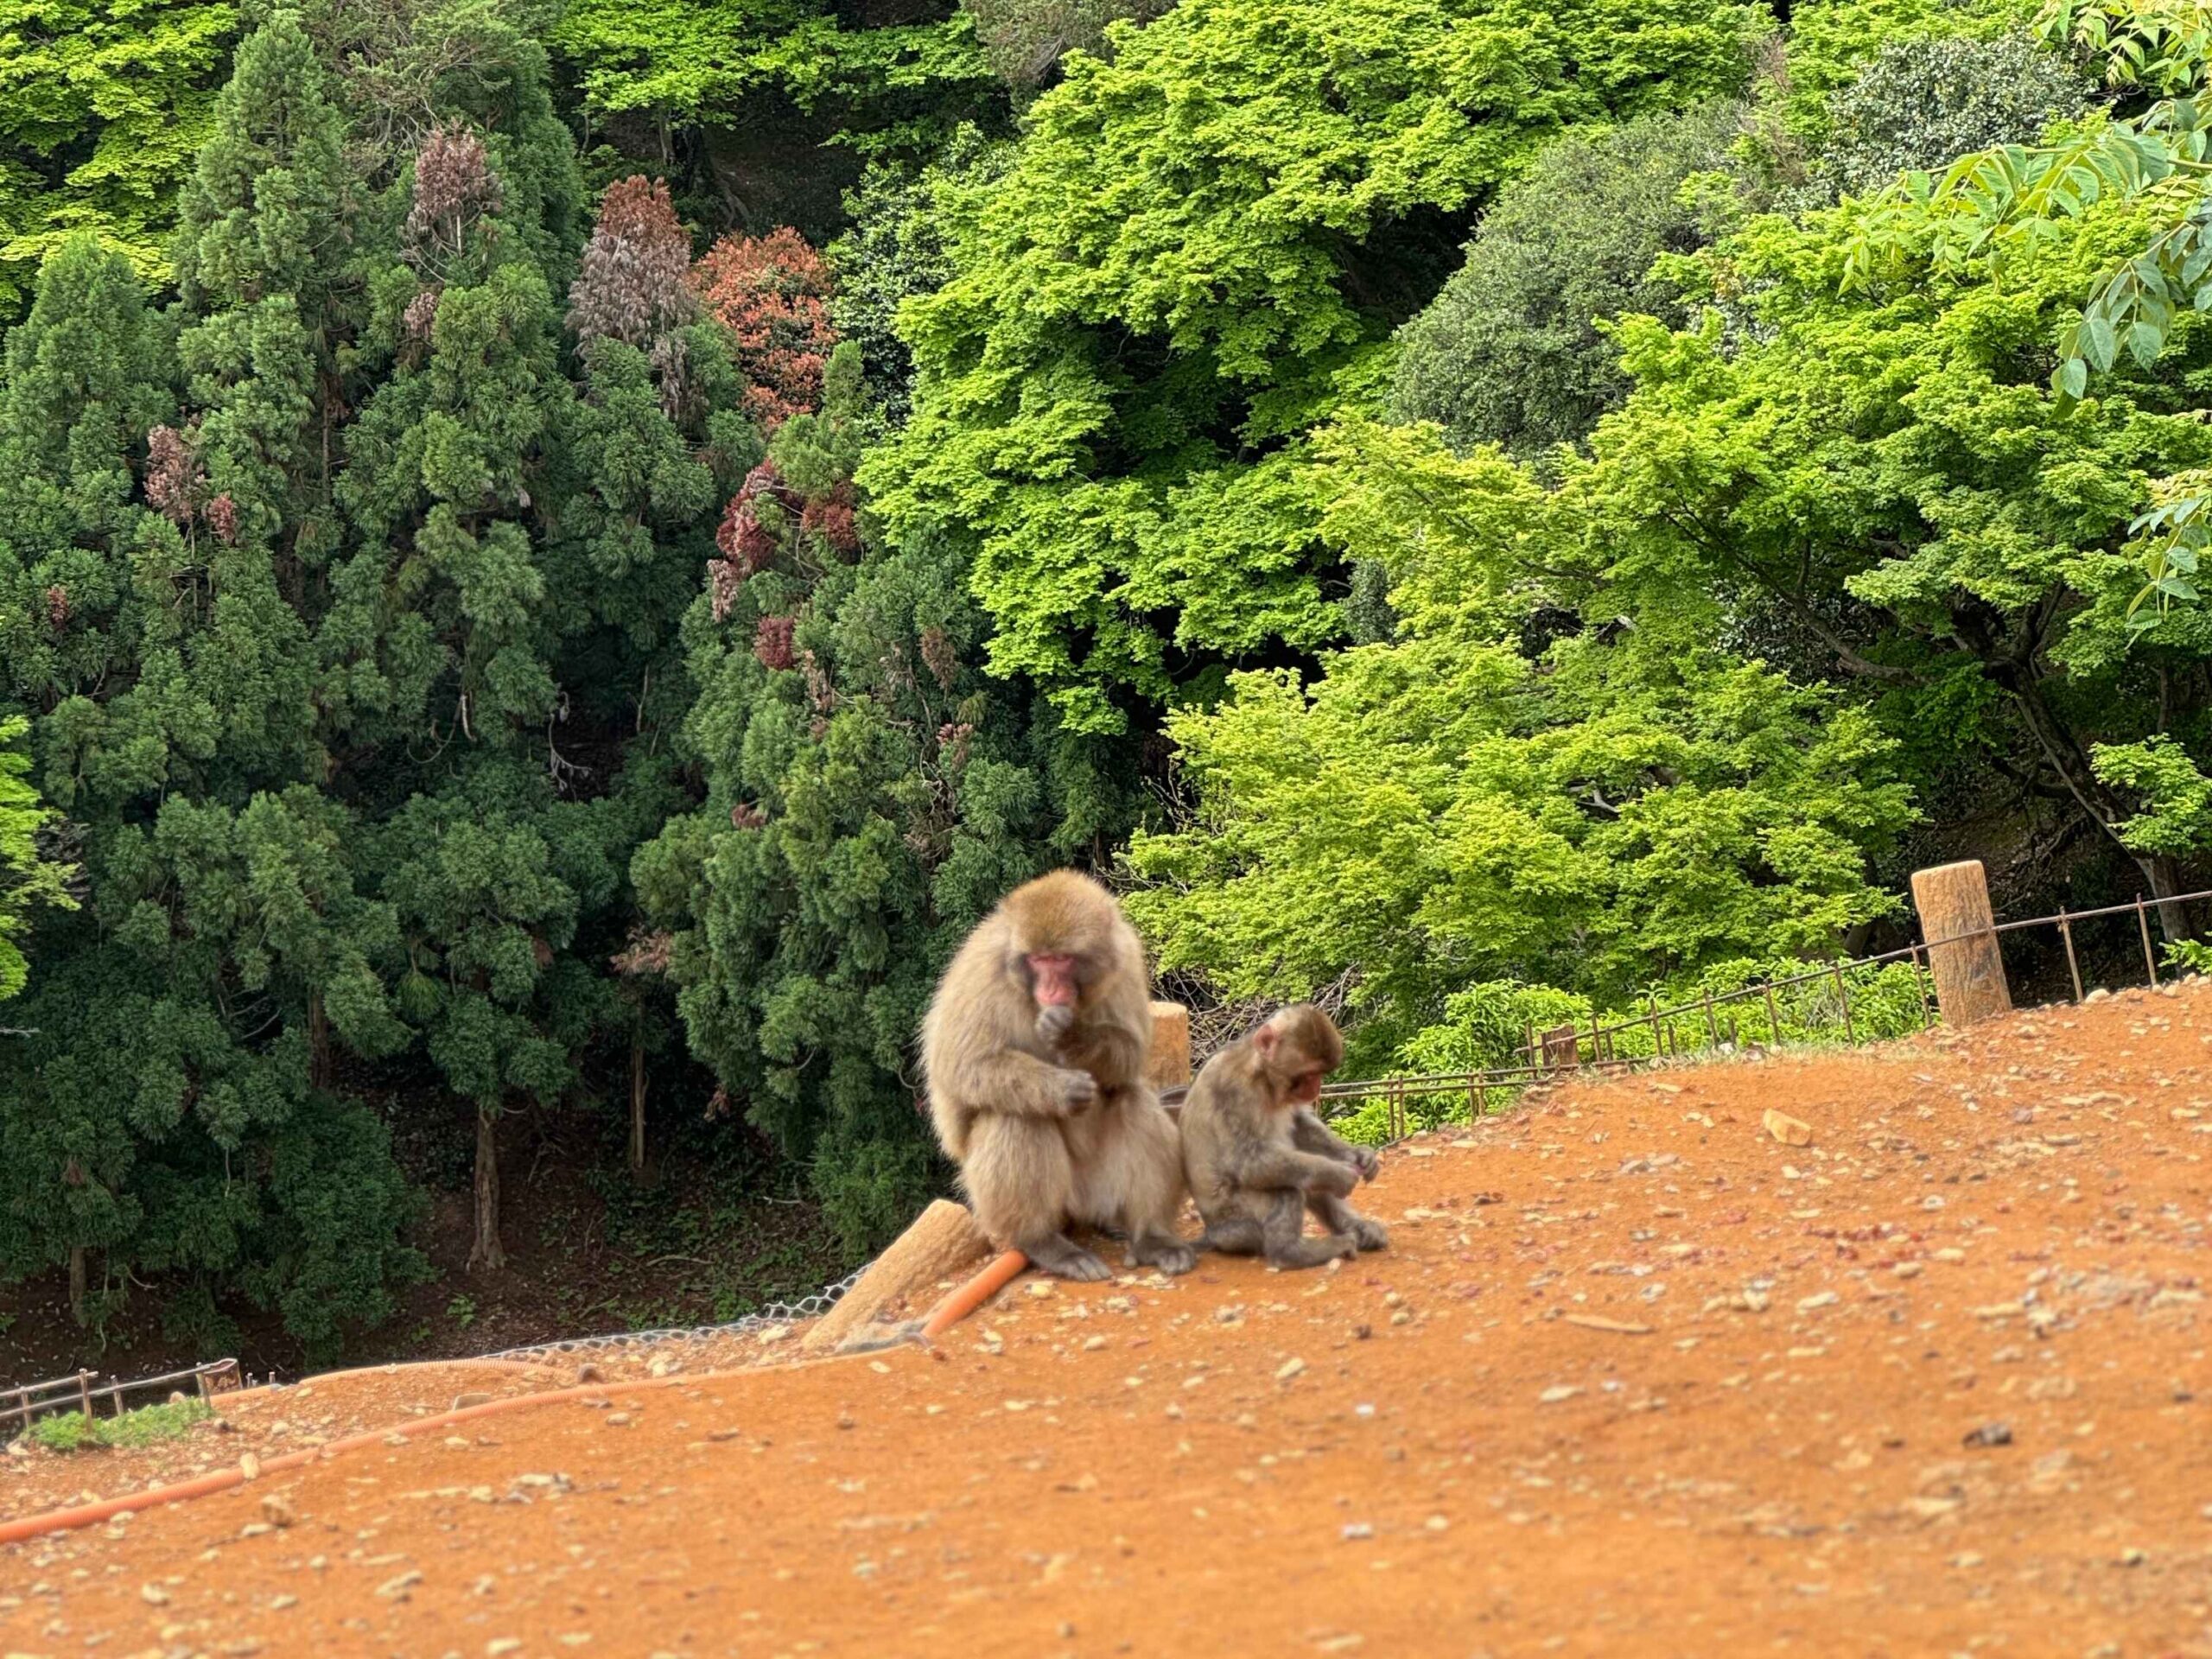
[(942, 1243), (1953, 900), (1562, 1049), (1168, 1066)]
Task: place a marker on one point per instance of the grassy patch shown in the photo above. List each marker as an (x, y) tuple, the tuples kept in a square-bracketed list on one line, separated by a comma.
[(72, 1431)]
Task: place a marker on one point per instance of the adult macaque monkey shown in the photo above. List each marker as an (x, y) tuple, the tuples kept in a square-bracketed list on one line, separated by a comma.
[(1034, 1049), (1258, 1155)]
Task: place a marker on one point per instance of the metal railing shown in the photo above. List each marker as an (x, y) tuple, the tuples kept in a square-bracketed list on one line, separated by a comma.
[(24, 1406)]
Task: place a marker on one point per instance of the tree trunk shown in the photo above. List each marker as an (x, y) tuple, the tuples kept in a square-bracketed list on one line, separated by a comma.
[(2163, 874), (485, 1250), (77, 1282), (318, 1043), (636, 1108), (2065, 753)]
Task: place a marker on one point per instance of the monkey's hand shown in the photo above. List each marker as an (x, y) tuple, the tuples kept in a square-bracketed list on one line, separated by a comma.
[(1367, 1161), (1053, 1020), (1078, 1091)]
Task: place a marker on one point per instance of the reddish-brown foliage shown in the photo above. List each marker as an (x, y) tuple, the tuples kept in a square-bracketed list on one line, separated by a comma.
[(747, 543), (57, 607), (769, 292), (633, 285), (222, 515), (422, 314), (648, 953), (832, 518), (173, 475), (454, 186), (771, 641), (939, 658)]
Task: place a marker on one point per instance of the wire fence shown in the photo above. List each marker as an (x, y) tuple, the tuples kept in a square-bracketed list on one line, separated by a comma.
[(1844, 1002), (806, 1307)]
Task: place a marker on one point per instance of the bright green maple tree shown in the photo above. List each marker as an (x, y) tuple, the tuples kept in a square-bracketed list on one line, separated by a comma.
[(29, 880), (1626, 805), (102, 105), (1196, 257)]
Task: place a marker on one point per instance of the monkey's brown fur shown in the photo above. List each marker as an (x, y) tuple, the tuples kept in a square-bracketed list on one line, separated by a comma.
[(1258, 1156), (1043, 1101)]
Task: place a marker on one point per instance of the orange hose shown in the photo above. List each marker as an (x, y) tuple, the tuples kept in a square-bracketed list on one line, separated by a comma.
[(973, 1294), (947, 1314), (87, 1515)]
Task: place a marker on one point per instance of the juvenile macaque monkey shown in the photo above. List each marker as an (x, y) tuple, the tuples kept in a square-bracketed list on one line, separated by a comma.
[(1034, 1049), (1258, 1156)]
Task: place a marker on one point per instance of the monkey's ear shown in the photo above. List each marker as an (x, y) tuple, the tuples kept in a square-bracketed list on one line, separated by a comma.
[(1266, 1038)]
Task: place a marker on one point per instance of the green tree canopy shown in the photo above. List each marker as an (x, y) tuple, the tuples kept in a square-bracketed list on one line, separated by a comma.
[(102, 105), (1526, 786), (1198, 254), (29, 880)]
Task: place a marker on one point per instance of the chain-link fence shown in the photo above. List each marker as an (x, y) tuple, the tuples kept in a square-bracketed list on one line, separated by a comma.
[(806, 1307)]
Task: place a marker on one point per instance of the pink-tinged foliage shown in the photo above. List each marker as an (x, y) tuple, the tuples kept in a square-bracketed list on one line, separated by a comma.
[(222, 516), (422, 314), (771, 641), (454, 186), (939, 657), (173, 475), (633, 284), (648, 953), (832, 518), (57, 607), (769, 292), (747, 543)]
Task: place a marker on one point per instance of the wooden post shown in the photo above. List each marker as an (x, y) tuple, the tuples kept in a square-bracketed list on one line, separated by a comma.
[(1562, 1049), (2074, 967), (941, 1244), (1168, 1066), (2143, 921), (1963, 954)]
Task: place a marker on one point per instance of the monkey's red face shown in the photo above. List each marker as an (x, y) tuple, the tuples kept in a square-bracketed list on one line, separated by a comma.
[(1051, 980), (1306, 1086), (1056, 985)]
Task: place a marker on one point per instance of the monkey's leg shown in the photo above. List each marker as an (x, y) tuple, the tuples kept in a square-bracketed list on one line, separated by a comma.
[(1233, 1235), (1022, 1185), (1333, 1213), (1284, 1248), (1134, 1179)]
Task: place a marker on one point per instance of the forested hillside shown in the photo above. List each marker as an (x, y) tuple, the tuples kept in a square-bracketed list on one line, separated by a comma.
[(553, 560)]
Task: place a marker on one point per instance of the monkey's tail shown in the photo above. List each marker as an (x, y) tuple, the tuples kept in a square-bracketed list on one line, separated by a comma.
[(972, 1295)]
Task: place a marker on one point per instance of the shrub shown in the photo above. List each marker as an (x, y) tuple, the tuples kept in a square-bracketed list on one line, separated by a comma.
[(1925, 103), (1510, 352)]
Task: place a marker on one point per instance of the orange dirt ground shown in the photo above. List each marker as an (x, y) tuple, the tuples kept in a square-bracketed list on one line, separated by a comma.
[(1453, 1448)]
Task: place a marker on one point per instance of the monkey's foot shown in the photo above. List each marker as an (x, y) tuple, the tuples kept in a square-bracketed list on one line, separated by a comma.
[(1168, 1255), (1314, 1252), (1065, 1259), (1370, 1235)]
